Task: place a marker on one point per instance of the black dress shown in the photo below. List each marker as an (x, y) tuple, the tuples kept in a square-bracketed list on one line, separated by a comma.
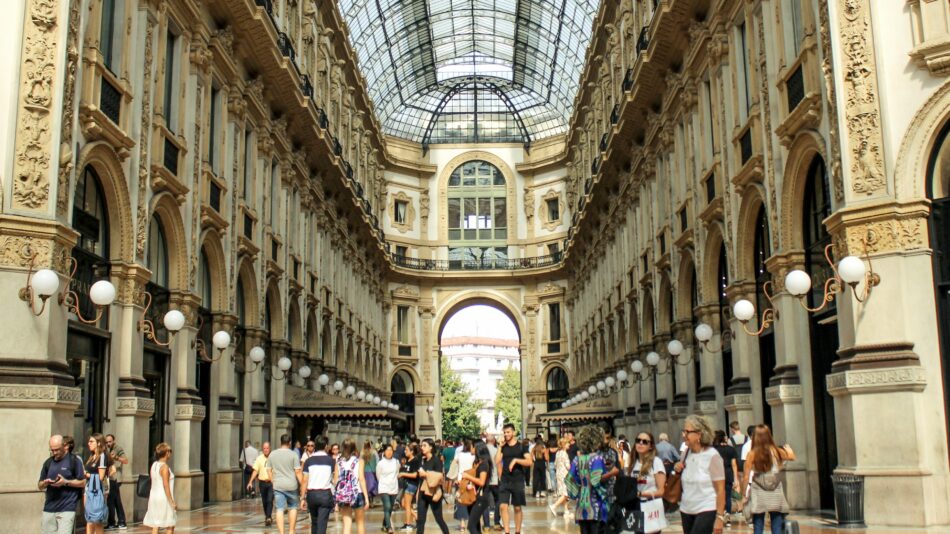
[(539, 478)]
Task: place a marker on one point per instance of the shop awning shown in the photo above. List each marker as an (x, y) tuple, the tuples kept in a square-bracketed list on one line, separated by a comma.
[(306, 402), (593, 410)]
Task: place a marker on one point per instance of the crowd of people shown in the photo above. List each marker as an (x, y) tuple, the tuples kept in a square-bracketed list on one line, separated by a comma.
[(598, 480)]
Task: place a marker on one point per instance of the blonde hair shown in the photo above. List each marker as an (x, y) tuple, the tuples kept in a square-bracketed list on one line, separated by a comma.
[(162, 450), (702, 424)]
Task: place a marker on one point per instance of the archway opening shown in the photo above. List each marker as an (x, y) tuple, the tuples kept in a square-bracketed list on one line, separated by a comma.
[(480, 372)]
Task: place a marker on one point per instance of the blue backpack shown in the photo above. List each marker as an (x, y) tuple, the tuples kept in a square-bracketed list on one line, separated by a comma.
[(95, 511)]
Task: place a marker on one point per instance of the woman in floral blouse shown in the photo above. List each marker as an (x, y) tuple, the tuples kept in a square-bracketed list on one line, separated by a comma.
[(584, 484)]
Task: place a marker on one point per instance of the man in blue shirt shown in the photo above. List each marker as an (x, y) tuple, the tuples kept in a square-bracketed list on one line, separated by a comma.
[(62, 478)]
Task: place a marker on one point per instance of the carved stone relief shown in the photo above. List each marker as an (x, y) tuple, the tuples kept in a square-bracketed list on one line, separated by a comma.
[(32, 150), (862, 112), (69, 95), (141, 224)]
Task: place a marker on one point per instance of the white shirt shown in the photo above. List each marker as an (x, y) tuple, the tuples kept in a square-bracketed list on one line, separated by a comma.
[(648, 484), (319, 471), (387, 473), (466, 460), (250, 455), (746, 447), (702, 469)]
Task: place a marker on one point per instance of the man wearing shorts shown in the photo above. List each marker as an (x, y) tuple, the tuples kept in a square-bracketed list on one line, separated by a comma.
[(287, 479), (512, 461)]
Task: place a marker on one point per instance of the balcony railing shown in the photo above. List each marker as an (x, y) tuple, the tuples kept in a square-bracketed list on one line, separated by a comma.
[(628, 80), (595, 165), (615, 114), (337, 147), (268, 6), (110, 101), (170, 156), (306, 86), (643, 42), (488, 264), (795, 88), (603, 143), (745, 146), (285, 46), (348, 169), (322, 118)]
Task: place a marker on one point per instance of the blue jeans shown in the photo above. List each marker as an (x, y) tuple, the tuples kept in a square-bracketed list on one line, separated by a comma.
[(286, 500), (388, 501), (778, 522)]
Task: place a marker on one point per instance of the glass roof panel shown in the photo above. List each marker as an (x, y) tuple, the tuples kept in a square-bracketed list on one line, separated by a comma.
[(457, 70)]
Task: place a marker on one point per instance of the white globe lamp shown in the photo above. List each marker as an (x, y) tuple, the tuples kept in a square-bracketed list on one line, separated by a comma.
[(361, 395), (675, 347), (338, 386), (257, 355), (636, 366), (174, 320), (743, 310), (610, 381), (601, 385), (323, 379), (622, 375), (703, 332), (284, 363), (653, 359), (797, 283), (305, 372), (44, 283), (102, 293), (350, 391), (851, 269), (592, 390), (221, 340)]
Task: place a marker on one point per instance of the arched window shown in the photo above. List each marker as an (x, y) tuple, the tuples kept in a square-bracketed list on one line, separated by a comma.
[(557, 386), (204, 281), (762, 249), (477, 212), (90, 218), (157, 255), (239, 300), (816, 237)]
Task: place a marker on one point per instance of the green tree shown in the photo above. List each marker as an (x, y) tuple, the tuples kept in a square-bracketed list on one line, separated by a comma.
[(508, 398), (459, 409)]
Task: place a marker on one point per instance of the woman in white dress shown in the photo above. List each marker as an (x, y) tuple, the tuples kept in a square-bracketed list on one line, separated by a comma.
[(562, 466), (161, 511)]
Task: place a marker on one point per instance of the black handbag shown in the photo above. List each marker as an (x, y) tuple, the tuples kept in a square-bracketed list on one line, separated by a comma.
[(625, 492), (143, 486), (623, 519)]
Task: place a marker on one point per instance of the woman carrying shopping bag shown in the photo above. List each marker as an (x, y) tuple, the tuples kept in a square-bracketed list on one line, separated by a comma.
[(763, 481), (651, 480)]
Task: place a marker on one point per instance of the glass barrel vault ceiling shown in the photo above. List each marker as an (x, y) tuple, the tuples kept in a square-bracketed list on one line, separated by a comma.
[(448, 71)]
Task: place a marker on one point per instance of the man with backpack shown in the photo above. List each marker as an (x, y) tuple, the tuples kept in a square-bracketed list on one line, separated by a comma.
[(63, 479)]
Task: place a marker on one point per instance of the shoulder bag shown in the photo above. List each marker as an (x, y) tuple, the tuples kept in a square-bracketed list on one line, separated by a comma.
[(673, 489), (467, 494), (143, 486)]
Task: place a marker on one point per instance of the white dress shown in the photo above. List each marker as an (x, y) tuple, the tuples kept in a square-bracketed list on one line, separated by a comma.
[(160, 512)]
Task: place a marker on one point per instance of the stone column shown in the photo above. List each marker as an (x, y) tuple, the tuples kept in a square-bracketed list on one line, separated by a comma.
[(745, 359), (681, 400), (256, 413), (133, 405), (890, 363), (661, 405), (226, 447), (785, 392), (710, 395), (189, 412)]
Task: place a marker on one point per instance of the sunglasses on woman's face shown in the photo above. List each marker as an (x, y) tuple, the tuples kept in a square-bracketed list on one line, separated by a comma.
[(644, 442)]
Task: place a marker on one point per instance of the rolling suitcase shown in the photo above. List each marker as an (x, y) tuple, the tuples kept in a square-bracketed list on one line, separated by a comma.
[(790, 527)]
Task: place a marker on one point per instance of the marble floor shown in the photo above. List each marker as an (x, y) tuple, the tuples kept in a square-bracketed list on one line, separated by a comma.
[(247, 516)]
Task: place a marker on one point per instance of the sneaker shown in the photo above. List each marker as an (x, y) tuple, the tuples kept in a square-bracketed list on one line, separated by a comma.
[(123, 527), (111, 527)]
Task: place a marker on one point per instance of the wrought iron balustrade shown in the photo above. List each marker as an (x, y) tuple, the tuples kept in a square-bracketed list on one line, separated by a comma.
[(643, 41), (170, 156), (322, 118), (595, 165), (110, 101), (795, 88), (485, 264), (286, 46), (615, 114), (603, 142), (306, 86), (628, 80)]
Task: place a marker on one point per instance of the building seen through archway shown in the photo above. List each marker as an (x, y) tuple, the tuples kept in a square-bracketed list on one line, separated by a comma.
[(226, 221)]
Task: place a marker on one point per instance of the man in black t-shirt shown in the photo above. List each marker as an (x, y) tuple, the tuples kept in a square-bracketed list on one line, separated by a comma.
[(512, 461), (62, 478), (572, 448)]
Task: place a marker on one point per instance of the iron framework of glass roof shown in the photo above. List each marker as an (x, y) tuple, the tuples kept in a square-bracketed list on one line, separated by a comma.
[(450, 71)]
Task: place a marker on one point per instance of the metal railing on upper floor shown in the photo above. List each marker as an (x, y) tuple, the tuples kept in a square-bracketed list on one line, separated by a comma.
[(486, 264)]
